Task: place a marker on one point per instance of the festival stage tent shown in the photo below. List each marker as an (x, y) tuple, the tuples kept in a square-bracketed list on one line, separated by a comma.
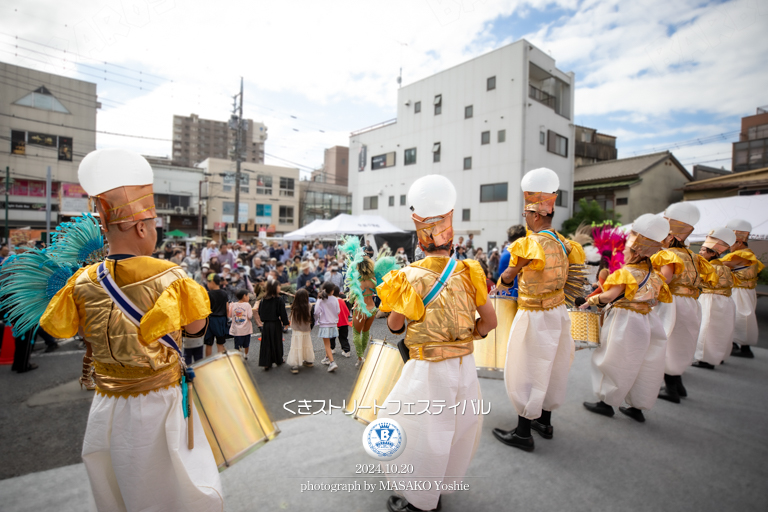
[(716, 213), (344, 224)]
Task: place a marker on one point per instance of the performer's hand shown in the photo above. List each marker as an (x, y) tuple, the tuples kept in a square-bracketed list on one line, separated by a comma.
[(584, 306), (579, 301)]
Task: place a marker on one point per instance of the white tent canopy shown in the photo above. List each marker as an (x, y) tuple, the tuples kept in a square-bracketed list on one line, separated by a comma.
[(344, 224), (716, 213)]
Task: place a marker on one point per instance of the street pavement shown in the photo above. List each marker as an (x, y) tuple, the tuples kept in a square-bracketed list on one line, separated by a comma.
[(705, 454)]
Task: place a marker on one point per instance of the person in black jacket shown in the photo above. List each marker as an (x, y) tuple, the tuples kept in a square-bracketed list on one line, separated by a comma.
[(274, 317)]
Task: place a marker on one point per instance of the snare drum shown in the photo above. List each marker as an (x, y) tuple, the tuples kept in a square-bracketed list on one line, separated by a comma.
[(380, 371), (234, 418), (585, 328), (491, 352)]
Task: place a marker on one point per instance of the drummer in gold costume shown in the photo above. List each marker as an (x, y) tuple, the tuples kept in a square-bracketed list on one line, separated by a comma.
[(629, 364), (439, 338), (540, 348), (136, 443), (718, 312), (745, 267), (685, 273)]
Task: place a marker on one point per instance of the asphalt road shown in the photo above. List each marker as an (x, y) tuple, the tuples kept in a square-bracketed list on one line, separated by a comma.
[(39, 437)]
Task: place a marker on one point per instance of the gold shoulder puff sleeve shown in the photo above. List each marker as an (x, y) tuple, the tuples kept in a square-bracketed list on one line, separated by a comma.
[(528, 249), (622, 277), (664, 294), (61, 319), (478, 278), (183, 302), (576, 255), (397, 294), (745, 255), (707, 271), (665, 257)]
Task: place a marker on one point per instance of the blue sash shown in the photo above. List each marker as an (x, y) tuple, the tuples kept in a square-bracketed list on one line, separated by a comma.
[(441, 282), (550, 233)]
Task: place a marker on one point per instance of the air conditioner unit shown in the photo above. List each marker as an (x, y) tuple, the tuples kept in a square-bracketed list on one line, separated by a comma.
[(178, 209), (192, 210)]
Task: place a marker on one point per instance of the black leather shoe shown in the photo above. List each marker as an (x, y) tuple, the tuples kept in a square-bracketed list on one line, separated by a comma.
[(546, 431), (664, 394), (400, 504), (635, 414), (735, 349), (703, 364), (599, 408), (744, 352), (510, 438), (681, 389)]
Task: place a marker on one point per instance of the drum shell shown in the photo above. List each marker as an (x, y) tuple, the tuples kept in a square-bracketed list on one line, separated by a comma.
[(585, 328), (233, 415), (491, 352), (376, 379)]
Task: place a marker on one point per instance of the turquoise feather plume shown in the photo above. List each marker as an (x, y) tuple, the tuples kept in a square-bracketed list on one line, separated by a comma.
[(384, 266), (80, 241), (351, 248), (28, 283)]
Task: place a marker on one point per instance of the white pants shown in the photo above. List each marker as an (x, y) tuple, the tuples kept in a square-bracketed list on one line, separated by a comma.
[(438, 445), (718, 313), (301, 349), (135, 452), (629, 364), (539, 355), (682, 320), (745, 329)]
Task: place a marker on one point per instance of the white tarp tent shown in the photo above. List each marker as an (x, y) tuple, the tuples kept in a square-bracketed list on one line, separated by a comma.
[(344, 224), (716, 213)]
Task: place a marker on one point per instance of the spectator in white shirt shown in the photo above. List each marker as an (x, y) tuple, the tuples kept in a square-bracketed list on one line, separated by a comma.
[(209, 252)]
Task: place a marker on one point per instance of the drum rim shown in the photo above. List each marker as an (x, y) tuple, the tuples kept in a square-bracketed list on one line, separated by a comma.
[(210, 359)]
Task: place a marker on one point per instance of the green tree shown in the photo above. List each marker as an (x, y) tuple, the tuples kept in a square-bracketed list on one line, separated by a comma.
[(589, 213)]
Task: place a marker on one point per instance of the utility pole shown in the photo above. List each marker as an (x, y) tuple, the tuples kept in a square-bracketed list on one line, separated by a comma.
[(7, 186), (48, 208), (237, 119)]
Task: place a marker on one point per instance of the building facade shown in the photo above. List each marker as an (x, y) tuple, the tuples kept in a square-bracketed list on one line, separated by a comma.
[(751, 152), (320, 200), (592, 147), (269, 200), (632, 186), (483, 124), (746, 183), (196, 139), (335, 167), (46, 120), (177, 196)]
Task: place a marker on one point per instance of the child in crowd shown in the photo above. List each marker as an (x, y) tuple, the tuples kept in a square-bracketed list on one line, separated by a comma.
[(302, 321), (342, 326), (327, 318), (241, 314), (273, 316)]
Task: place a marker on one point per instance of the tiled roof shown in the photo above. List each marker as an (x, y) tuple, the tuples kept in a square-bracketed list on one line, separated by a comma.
[(622, 168)]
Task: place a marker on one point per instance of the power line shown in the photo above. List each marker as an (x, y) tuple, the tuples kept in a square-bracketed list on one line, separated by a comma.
[(59, 89), (86, 129)]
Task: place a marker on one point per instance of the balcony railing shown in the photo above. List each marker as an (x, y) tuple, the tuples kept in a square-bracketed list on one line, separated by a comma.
[(541, 96)]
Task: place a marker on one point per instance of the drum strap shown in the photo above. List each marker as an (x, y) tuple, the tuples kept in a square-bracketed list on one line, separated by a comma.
[(134, 314), (440, 283), (556, 238), (621, 295)]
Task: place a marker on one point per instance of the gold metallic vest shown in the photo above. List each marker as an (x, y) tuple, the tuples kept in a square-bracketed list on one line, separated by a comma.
[(746, 278), (724, 280), (688, 282), (543, 289), (445, 330), (647, 296), (125, 364)]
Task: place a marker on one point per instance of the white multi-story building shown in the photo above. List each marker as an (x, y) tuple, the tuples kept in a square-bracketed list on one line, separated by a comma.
[(483, 124)]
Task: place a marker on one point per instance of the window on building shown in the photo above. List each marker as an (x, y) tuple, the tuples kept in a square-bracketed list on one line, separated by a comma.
[(542, 138), (417, 107), (286, 187), (263, 185), (371, 203), (438, 104), (402, 200), (468, 111), (436, 152), (467, 163), (382, 161), (391, 200), (622, 201), (228, 183), (286, 215), (263, 214), (501, 136), (465, 214), (485, 138), (557, 144), (490, 83), (494, 192), (410, 156), (562, 198)]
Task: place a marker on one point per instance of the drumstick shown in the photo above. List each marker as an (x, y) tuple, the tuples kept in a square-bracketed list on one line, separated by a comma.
[(190, 424), (288, 294)]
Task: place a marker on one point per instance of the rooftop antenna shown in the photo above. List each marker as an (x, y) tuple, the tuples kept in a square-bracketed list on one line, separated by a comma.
[(400, 77)]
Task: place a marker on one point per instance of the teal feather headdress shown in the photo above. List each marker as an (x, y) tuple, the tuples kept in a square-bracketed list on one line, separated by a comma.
[(383, 266), (28, 283), (355, 254), (79, 241)]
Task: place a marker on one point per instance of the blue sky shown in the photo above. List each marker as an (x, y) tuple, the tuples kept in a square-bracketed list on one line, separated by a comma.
[(653, 73)]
